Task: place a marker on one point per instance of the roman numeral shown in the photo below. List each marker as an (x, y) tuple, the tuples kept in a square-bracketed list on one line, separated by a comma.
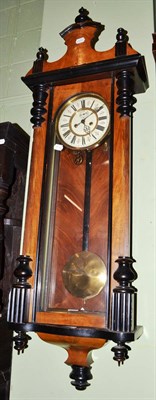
[(94, 136), (74, 108), (65, 134), (73, 139), (104, 117), (83, 141), (92, 104), (64, 125), (100, 128), (99, 109), (83, 103)]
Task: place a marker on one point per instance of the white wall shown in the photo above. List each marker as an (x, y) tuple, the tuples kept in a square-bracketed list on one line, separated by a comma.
[(20, 30), (41, 373)]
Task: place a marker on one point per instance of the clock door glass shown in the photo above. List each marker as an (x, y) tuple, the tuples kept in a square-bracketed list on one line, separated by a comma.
[(74, 236)]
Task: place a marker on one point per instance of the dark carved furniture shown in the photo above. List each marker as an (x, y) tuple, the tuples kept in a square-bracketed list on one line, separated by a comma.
[(14, 144), (154, 34)]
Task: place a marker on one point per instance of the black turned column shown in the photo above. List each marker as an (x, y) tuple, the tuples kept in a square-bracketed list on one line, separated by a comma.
[(19, 298), (124, 305), (19, 301), (125, 79), (40, 96), (39, 90), (124, 296), (125, 98)]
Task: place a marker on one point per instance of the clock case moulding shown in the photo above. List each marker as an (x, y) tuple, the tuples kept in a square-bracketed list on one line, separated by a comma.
[(116, 75)]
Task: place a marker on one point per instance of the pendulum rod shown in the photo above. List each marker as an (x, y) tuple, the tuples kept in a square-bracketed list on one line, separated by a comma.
[(86, 218)]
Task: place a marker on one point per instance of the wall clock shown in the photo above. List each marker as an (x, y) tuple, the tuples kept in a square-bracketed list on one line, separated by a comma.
[(79, 290)]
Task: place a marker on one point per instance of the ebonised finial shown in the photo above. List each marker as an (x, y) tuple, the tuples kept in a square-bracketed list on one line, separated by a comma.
[(121, 44), (81, 375), (122, 35), (21, 341), (120, 353), (83, 16), (42, 54)]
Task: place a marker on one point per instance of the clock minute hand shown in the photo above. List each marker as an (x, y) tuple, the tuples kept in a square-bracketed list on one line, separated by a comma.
[(83, 120)]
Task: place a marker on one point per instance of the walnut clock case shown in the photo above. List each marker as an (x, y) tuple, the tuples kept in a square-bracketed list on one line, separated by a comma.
[(79, 290)]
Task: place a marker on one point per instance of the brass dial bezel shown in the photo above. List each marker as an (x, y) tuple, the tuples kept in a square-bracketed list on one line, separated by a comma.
[(70, 101)]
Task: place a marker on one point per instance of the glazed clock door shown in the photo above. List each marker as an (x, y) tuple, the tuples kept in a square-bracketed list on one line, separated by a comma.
[(75, 237)]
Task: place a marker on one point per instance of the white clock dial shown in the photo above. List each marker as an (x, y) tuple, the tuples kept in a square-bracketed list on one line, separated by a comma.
[(83, 121)]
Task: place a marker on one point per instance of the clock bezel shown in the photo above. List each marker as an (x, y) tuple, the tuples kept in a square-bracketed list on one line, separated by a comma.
[(71, 100)]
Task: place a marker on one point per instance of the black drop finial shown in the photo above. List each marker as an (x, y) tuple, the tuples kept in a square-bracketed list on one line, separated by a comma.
[(120, 353), (81, 375), (83, 16), (21, 342)]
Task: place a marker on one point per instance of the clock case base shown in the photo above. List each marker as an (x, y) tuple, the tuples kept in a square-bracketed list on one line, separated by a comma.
[(80, 374), (78, 331)]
